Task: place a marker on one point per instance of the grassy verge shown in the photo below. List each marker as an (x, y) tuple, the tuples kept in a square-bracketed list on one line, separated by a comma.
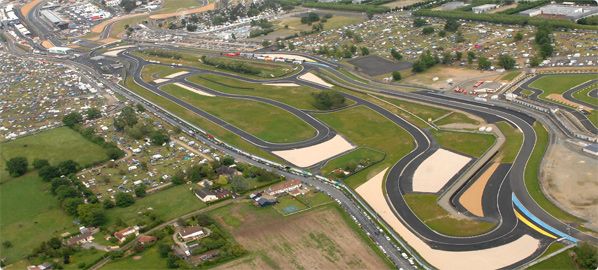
[(454, 118), (513, 141), (296, 96), (262, 120), (354, 160), (584, 95), (422, 111), (561, 261), (557, 84), (206, 125), (366, 128), (425, 208), (151, 72), (466, 143), (511, 75), (532, 180)]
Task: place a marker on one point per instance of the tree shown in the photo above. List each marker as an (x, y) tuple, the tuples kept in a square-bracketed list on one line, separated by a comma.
[(506, 61), (108, 203), (586, 256), (128, 5), (178, 178), (63, 192), (57, 182), (7, 244), (123, 199), (227, 160), (265, 43), (327, 100), (395, 54), (451, 25), (70, 205), (40, 163), (140, 191), (459, 37), (484, 63), (159, 137), (534, 61), (239, 184), (140, 108), (470, 57), (458, 55), (447, 58), (518, 36), (72, 119), (91, 214), (191, 27), (93, 113), (163, 250), (67, 167), (48, 172), (128, 116), (396, 75), (419, 22), (16, 166), (291, 46), (222, 180), (428, 30), (364, 51)]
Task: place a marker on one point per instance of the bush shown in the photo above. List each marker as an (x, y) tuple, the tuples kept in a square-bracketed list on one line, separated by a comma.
[(40, 163), (124, 199), (396, 75), (72, 119), (328, 100), (16, 166), (586, 256), (506, 61)]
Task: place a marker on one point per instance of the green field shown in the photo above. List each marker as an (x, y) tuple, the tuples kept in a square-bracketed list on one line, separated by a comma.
[(427, 209), (367, 128), (510, 75), (299, 97), (151, 72), (557, 84), (513, 141), (206, 125), (561, 261), (149, 259), (422, 111), (456, 117), (466, 143), (291, 25), (165, 204), (269, 123), (55, 145), (532, 180), (357, 156), (584, 95), (176, 5)]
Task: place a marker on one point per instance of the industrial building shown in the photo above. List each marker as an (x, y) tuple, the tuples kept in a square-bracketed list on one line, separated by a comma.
[(59, 50), (8, 16), (570, 12), (54, 19), (484, 8)]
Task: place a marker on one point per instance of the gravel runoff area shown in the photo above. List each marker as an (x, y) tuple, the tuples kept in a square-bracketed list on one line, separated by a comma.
[(491, 258), (163, 16), (160, 80), (282, 84), (288, 56), (432, 174), (310, 77), (113, 53), (308, 156), (194, 90), (174, 75), (472, 197), (374, 65)]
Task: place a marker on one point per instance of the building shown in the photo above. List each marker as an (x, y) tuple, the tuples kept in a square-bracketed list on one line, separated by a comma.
[(146, 240), (265, 200), (484, 8), (122, 235), (205, 195), (44, 266), (54, 19), (283, 187), (557, 11), (80, 239), (591, 149), (8, 16), (206, 183), (59, 50), (453, 5), (192, 233)]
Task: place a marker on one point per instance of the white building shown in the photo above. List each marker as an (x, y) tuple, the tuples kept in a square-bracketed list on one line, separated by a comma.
[(484, 8), (59, 50)]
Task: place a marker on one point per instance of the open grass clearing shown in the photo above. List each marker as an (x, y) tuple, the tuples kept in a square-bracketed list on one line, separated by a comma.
[(202, 123), (176, 5), (269, 123), (151, 72), (427, 209), (321, 238), (299, 97), (424, 112), (513, 141), (467, 143), (147, 259), (350, 161), (557, 84), (288, 205), (456, 118), (291, 25), (532, 179), (366, 128), (55, 145)]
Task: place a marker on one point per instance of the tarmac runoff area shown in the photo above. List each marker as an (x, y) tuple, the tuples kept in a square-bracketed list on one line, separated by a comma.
[(174, 75), (197, 91), (310, 77), (282, 84), (491, 258), (308, 156), (472, 197), (437, 170)]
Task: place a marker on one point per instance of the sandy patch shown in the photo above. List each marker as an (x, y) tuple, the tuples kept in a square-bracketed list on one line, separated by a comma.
[(560, 99), (160, 80), (113, 53), (163, 16), (437, 170), (310, 77), (491, 258), (308, 156), (194, 90), (471, 199), (174, 75), (25, 9), (47, 44), (282, 84), (289, 56)]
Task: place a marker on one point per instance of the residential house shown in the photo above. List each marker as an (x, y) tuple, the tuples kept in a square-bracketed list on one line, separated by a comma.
[(283, 187), (205, 183), (80, 239), (122, 235), (265, 200), (146, 239), (192, 233), (205, 195)]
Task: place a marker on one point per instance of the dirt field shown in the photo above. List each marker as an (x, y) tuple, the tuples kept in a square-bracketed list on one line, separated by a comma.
[(317, 239), (444, 73), (163, 16), (374, 65), (472, 197), (575, 187)]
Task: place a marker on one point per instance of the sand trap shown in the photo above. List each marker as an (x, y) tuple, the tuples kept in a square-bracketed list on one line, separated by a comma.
[(561, 99), (308, 156), (174, 75), (160, 80), (282, 84), (197, 91), (163, 16), (310, 77), (437, 170), (492, 258), (471, 199), (289, 56), (113, 53)]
